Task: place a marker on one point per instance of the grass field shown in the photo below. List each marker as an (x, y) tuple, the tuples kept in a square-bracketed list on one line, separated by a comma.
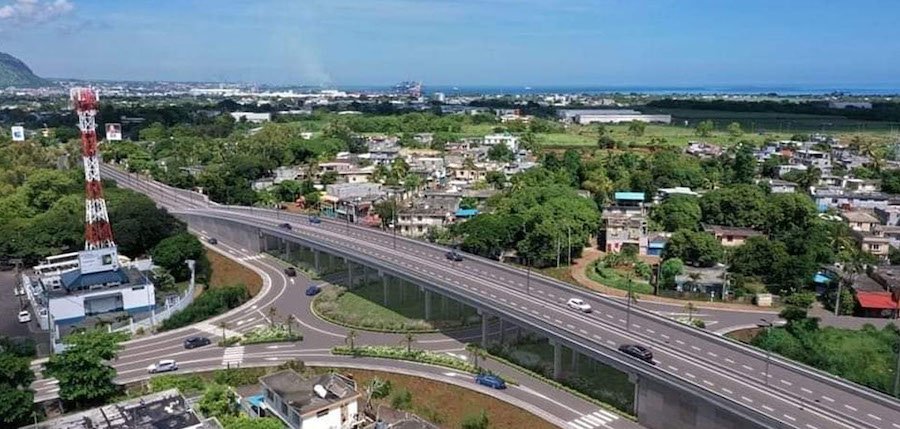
[(362, 307), (226, 272), (786, 123)]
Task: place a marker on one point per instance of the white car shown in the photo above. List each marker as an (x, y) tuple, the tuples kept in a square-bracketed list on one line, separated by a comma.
[(24, 316), (164, 365), (580, 305)]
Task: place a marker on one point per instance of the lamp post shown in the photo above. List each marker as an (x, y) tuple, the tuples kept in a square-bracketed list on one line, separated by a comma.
[(628, 303), (768, 325)]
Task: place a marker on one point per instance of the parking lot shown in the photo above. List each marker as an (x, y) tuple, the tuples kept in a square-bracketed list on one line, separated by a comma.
[(10, 305)]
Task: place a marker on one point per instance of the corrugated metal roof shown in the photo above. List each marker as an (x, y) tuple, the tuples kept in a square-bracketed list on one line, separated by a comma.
[(630, 196), (76, 280)]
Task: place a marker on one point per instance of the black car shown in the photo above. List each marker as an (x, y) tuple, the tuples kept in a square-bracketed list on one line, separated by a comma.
[(212, 240), (285, 225), (290, 272), (194, 342), (453, 256), (315, 219), (637, 351)]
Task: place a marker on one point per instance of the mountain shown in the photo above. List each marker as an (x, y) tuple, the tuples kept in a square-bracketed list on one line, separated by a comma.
[(13, 72)]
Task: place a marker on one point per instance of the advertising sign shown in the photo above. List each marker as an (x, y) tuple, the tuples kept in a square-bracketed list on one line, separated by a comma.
[(18, 134), (114, 132)]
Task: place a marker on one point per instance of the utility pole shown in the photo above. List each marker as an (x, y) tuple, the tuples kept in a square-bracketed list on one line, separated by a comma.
[(569, 232), (768, 325)]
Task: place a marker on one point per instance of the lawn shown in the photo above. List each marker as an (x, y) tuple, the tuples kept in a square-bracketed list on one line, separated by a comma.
[(591, 377), (614, 278), (362, 307), (783, 123)]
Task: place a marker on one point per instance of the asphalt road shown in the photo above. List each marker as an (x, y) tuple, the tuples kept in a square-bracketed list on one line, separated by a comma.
[(794, 395), (287, 296)]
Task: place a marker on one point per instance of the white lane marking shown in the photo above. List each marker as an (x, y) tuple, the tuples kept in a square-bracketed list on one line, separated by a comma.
[(712, 354), (850, 407), (787, 382), (650, 331), (708, 383), (747, 367), (621, 320), (664, 336), (809, 426), (747, 399), (679, 342), (695, 348), (672, 368), (873, 416), (791, 418), (806, 390), (729, 360), (727, 390), (689, 375), (768, 408), (636, 325), (832, 400)]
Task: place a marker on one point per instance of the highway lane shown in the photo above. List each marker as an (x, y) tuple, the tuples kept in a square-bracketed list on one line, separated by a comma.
[(714, 367), (545, 401), (808, 394)]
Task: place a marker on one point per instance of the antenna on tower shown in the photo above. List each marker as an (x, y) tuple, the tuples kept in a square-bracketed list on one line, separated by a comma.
[(97, 232)]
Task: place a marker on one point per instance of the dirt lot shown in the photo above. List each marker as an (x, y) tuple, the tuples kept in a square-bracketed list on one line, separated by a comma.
[(226, 272), (447, 405)]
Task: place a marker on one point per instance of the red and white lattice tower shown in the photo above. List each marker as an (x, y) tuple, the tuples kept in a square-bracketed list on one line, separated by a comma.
[(97, 232)]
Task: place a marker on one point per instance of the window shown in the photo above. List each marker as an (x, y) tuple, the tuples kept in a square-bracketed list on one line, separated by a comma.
[(295, 419), (876, 246), (107, 259), (138, 288), (284, 409), (322, 413), (269, 395)]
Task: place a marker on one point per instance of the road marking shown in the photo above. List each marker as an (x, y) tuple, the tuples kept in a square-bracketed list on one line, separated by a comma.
[(789, 417), (232, 356), (729, 360), (558, 322), (679, 342), (569, 326), (596, 419), (708, 383), (695, 348), (596, 337), (583, 332), (747, 399), (610, 316), (809, 426), (622, 321), (727, 390), (611, 342), (747, 367), (806, 390), (832, 400), (787, 382), (895, 425), (664, 336), (689, 375), (850, 407), (540, 292), (712, 354), (551, 295), (873, 416), (672, 368), (636, 325), (768, 408)]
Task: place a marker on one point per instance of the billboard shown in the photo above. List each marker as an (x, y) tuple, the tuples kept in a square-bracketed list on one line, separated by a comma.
[(18, 134), (114, 132)]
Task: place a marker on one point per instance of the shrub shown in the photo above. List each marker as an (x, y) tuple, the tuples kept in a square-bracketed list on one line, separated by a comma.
[(185, 383), (401, 400), (399, 353), (268, 334), (211, 303), (238, 376), (475, 421)]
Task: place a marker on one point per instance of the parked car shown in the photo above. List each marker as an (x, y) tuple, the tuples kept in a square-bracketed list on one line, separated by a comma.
[(290, 272), (164, 365), (24, 316), (19, 290), (314, 219), (638, 351), (453, 256), (313, 290), (579, 304), (194, 342), (490, 380), (212, 240), (285, 226)]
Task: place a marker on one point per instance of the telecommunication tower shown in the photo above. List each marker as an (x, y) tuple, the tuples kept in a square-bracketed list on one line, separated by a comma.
[(97, 232)]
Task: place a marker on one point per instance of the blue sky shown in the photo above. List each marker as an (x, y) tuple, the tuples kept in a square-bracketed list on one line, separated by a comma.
[(461, 42)]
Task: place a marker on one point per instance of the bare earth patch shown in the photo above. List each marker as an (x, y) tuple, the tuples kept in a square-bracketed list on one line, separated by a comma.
[(226, 272)]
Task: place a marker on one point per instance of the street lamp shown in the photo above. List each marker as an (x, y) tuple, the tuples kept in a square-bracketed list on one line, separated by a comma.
[(628, 302), (768, 325)]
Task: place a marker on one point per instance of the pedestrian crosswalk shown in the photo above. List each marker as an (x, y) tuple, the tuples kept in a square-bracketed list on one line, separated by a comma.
[(233, 356), (596, 419)]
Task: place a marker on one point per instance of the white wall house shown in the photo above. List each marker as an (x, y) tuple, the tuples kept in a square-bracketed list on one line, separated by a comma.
[(511, 141), (329, 401)]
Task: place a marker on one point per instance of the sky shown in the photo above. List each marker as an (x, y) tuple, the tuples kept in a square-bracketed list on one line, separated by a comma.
[(461, 42)]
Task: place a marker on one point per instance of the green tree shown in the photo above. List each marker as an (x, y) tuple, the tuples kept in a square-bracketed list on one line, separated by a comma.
[(637, 128), (496, 179), (217, 401), (16, 397), (244, 422), (696, 247), (743, 166), (43, 188), (705, 128), (328, 177), (83, 370), (734, 130), (738, 205), (677, 212), (669, 269), (172, 252), (412, 182), (501, 153)]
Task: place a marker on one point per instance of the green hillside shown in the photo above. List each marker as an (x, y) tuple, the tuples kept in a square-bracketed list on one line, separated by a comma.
[(13, 72)]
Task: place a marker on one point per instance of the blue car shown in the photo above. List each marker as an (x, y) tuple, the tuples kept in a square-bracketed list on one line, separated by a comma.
[(489, 380), (313, 290), (314, 219)]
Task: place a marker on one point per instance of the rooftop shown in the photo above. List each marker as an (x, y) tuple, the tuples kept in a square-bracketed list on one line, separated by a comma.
[(731, 230), (859, 217), (163, 410), (876, 300), (298, 392), (629, 196)]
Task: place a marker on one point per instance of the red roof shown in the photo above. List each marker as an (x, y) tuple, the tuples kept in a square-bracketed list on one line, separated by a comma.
[(876, 300)]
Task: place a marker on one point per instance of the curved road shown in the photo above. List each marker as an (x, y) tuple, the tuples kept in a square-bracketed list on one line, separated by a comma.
[(792, 395)]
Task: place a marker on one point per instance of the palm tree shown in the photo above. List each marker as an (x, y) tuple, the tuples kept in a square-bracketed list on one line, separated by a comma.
[(224, 325), (409, 338), (690, 308), (350, 340), (289, 322), (272, 313), (477, 353)]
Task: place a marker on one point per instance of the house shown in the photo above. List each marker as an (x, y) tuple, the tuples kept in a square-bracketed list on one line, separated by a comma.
[(655, 245), (729, 236), (831, 198), (777, 186), (430, 213), (625, 223), (609, 116), (511, 141), (167, 409), (868, 233), (706, 281), (323, 402), (664, 193), (252, 117), (860, 220), (787, 168), (703, 150)]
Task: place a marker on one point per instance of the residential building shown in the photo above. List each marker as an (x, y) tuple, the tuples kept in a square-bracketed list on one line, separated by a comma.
[(787, 168), (868, 233), (163, 410), (703, 150), (625, 223), (329, 401), (511, 141), (706, 281), (831, 198), (656, 244), (860, 221), (252, 117), (664, 193), (777, 186), (814, 159), (729, 236), (432, 212)]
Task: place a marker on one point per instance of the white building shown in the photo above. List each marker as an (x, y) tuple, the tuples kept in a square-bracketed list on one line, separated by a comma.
[(98, 283), (252, 117), (511, 141), (328, 401)]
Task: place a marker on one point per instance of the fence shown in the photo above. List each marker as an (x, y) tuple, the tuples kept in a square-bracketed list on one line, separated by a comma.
[(155, 318)]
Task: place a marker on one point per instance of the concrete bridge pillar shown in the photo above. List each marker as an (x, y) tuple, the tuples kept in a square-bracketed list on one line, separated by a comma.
[(427, 304), (287, 250), (575, 357), (384, 287), (484, 329), (349, 273), (316, 254), (502, 330), (557, 360)]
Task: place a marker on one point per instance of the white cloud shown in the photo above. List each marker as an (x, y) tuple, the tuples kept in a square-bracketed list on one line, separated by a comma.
[(34, 11)]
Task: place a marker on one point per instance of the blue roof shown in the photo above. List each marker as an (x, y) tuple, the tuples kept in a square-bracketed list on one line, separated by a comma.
[(821, 278), (466, 212), (255, 400), (630, 196), (73, 280)]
